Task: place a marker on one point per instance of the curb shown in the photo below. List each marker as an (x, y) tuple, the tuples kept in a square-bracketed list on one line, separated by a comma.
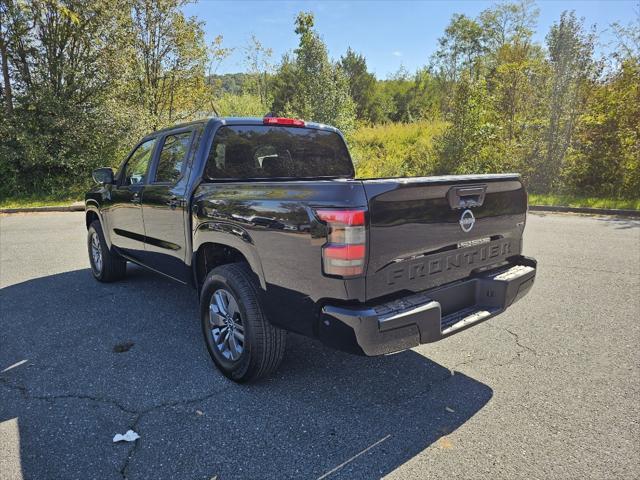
[(74, 207), (592, 211)]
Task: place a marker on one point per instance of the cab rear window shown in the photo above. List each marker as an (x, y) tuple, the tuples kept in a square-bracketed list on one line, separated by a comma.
[(261, 151)]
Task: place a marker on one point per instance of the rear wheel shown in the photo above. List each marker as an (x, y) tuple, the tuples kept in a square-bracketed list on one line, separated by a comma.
[(106, 266), (240, 339)]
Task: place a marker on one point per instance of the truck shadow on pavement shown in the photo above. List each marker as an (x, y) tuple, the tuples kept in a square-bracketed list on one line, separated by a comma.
[(81, 361)]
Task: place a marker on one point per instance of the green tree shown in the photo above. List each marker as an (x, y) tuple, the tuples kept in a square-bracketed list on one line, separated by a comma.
[(362, 87), (168, 62), (509, 23), (460, 48), (7, 92), (408, 98), (627, 39), (496, 105), (573, 71), (604, 158), (61, 59), (258, 62), (396, 94), (517, 85), (308, 85), (516, 71), (462, 147), (83, 79)]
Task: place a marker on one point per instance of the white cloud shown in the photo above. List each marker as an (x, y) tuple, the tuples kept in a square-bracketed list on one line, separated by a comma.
[(396, 53)]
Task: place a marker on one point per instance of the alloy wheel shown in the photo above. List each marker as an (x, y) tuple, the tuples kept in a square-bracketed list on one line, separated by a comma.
[(225, 321), (96, 252)]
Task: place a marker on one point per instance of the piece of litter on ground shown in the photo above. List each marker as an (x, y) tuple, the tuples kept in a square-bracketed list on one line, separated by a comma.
[(449, 409), (17, 364), (445, 443), (199, 412), (130, 436)]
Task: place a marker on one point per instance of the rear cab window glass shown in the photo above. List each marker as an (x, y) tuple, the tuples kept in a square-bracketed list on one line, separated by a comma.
[(135, 171), (172, 157), (262, 151)]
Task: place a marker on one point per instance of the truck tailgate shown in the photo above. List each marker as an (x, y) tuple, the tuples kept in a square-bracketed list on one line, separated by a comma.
[(425, 232)]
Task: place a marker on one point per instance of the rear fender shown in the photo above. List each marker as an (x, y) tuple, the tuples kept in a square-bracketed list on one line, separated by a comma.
[(232, 236)]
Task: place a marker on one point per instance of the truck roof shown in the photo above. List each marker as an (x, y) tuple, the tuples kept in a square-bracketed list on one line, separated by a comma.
[(237, 121), (260, 121)]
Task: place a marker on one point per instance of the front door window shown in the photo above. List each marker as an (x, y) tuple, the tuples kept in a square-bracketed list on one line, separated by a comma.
[(135, 171)]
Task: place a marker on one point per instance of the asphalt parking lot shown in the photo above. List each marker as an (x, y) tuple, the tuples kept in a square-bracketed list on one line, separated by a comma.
[(550, 389)]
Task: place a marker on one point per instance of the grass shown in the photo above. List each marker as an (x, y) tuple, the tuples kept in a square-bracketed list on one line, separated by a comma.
[(576, 201), (37, 201), (395, 149)]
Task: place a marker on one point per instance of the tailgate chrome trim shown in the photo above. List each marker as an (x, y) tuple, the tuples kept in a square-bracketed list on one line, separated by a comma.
[(514, 272), (464, 318)]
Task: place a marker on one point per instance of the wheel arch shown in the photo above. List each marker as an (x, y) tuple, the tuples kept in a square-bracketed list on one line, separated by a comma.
[(92, 213), (211, 254), (90, 217)]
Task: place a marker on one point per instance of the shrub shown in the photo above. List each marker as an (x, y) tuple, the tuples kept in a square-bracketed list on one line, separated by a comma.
[(395, 149)]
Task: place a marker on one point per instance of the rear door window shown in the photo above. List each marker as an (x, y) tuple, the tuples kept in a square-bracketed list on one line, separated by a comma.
[(262, 151), (172, 157)]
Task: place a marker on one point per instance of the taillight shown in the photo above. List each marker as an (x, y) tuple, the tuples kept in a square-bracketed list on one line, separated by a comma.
[(288, 122), (344, 253)]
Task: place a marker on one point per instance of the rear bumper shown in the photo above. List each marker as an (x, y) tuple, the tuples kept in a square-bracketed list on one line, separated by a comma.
[(427, 316)]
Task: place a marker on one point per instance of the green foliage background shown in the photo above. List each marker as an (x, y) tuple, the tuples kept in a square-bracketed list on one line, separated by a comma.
[(83, 80)]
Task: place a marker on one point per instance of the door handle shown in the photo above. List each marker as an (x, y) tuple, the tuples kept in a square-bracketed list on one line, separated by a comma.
[(173, 202), (466, 196)]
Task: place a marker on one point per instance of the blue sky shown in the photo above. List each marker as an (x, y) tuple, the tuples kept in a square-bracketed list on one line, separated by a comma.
[(388, 33)]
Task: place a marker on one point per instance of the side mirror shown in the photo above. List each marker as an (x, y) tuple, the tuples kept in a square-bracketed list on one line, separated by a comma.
[(103, 176)]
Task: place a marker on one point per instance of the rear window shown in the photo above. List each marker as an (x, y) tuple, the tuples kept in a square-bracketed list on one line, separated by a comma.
[(245, 151)]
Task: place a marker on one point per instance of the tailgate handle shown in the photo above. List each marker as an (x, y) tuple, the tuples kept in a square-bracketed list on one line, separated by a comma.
[(466, 196)]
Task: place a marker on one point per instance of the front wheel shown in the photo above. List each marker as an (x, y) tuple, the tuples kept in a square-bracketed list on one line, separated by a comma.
[(241, 341), (106, 266)]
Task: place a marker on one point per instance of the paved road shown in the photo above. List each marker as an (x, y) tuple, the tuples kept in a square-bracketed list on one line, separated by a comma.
[(550, 389)]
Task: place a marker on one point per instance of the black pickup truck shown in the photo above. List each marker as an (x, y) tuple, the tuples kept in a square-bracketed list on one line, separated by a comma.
[(265, 219)]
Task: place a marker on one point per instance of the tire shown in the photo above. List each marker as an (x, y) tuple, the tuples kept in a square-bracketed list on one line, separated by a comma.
[(106, 266), (254, 348)]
